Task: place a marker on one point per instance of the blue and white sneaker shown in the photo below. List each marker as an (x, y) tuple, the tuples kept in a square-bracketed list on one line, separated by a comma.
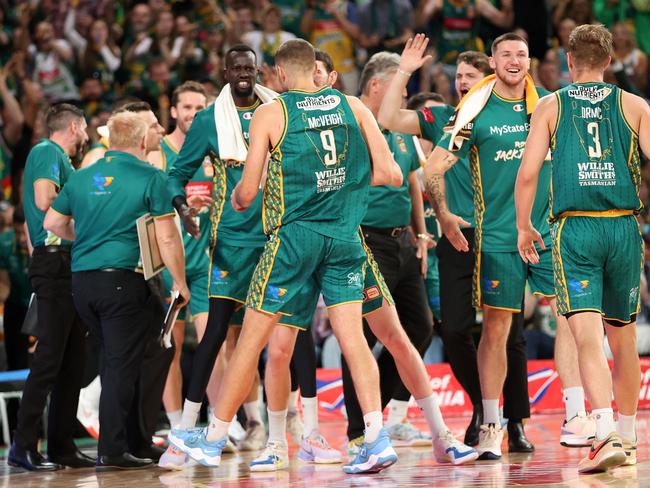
[(372, 458), (194, 443), (273, 458), (447, 449)]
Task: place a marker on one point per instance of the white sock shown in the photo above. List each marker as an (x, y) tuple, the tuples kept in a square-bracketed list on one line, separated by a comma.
[(252, 410), (431, 410), (191, 412), (174, 418), (217, 429), (491, 412), (374, 422), (574, 401), (277, 426), (309, 415), (396, 412), (293, 401), (604, 422), (627, 426)]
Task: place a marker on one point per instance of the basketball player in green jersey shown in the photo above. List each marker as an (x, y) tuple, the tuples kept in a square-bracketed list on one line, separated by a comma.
[(314, 199), (594, 130), (494, 142), (237, 238), (578, 428)]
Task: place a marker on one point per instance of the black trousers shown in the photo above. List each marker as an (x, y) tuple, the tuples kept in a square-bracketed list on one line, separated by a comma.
[(456, 270), (116, 306), (57, 364), (303, 364), (401, 270)]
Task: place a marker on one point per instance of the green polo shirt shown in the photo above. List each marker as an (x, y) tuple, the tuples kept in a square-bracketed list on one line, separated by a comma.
[(390, 206), (458, 181), (15, 261), (105, 200), (47, 160), (242, 229)]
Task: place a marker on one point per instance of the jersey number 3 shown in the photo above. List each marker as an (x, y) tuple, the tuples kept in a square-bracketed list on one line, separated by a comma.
[(595, 151), (329, 145)]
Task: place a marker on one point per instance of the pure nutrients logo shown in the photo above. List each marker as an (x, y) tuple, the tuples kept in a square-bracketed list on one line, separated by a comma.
[(320, 102), (592, 94)]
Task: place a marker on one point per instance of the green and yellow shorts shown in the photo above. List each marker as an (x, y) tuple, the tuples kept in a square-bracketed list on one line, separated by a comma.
[(598, 263), (374, 293), (500, 279), (299, 260), (197, 282), (231, 271)]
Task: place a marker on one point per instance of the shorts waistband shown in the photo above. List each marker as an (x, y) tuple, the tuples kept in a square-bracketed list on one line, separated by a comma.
[(51, 249), (389, 231), (603, 213)]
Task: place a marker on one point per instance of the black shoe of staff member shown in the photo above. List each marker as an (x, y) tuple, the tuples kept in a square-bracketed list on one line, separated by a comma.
[(474, 427), (517, 440), (124, 461), (30, 459), (75, 459)]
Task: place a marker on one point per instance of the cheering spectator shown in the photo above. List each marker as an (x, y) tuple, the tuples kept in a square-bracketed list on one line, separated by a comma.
[(266, 41), (634, 61), (52, 58), (385, 25), (139, 41)]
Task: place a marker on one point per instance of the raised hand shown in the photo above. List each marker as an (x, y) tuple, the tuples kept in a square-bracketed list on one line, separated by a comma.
[(413, 55)]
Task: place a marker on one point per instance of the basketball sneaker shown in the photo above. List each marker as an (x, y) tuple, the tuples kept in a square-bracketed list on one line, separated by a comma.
[(580, 431), (255, 437), (194, 443), (447, 449), (173, 459), (630, 452), (489, 442), (273, 458), (315, 449), (354, 445), (405, 434), (604, 454), (373, 457)]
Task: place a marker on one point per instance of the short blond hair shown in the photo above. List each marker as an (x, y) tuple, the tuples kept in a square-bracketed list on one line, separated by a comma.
[(126, 130), (296, 56), (590, 45)]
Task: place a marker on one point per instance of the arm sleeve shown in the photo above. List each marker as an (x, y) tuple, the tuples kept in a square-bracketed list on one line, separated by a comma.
[(112, 62), (61, 203), (159, 201), (195, 148)]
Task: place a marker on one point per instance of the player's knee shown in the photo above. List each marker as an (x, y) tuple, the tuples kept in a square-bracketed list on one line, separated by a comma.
[(279, 355)]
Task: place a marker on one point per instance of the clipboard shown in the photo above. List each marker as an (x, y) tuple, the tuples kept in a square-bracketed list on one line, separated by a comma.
[(170, 319), (150, 258)]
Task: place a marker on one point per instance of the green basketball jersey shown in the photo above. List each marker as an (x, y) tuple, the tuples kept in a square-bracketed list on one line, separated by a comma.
[(595, 152), (495, 147), (319, 173), (47, 160), (196, 250), (242, 229)]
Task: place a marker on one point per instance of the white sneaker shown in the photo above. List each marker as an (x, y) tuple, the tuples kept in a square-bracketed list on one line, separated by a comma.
[(580, 431), (295, 426), (448, 449), (173, 459), (255, 437), (405, 434), (236, 431), (489, 442), (630, 451), (274, 458)]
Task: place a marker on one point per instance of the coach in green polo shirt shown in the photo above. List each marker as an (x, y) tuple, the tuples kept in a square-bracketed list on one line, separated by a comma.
[(105, 200)]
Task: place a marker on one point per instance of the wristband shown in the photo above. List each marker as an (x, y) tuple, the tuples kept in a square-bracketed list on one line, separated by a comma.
[(405, 73), (426, 237)]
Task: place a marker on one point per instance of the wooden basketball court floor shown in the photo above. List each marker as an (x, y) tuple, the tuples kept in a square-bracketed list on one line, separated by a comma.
[(550, 466)]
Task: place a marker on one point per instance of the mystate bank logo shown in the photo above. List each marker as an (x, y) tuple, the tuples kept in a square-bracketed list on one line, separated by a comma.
[(320, 102)]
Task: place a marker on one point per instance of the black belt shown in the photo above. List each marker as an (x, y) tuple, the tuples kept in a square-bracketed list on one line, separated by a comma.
[(44, 249), (387, 231)]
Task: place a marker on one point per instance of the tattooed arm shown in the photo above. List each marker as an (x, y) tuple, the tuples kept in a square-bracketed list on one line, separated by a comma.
[(434, 176)]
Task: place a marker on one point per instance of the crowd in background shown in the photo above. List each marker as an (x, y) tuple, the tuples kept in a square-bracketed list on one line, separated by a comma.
[(94, 53)]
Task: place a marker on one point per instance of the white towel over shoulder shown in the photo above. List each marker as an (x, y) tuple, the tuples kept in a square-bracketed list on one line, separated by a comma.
[(232, 145)]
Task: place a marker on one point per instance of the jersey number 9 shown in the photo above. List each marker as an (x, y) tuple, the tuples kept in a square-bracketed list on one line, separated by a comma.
[(329, 145)]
